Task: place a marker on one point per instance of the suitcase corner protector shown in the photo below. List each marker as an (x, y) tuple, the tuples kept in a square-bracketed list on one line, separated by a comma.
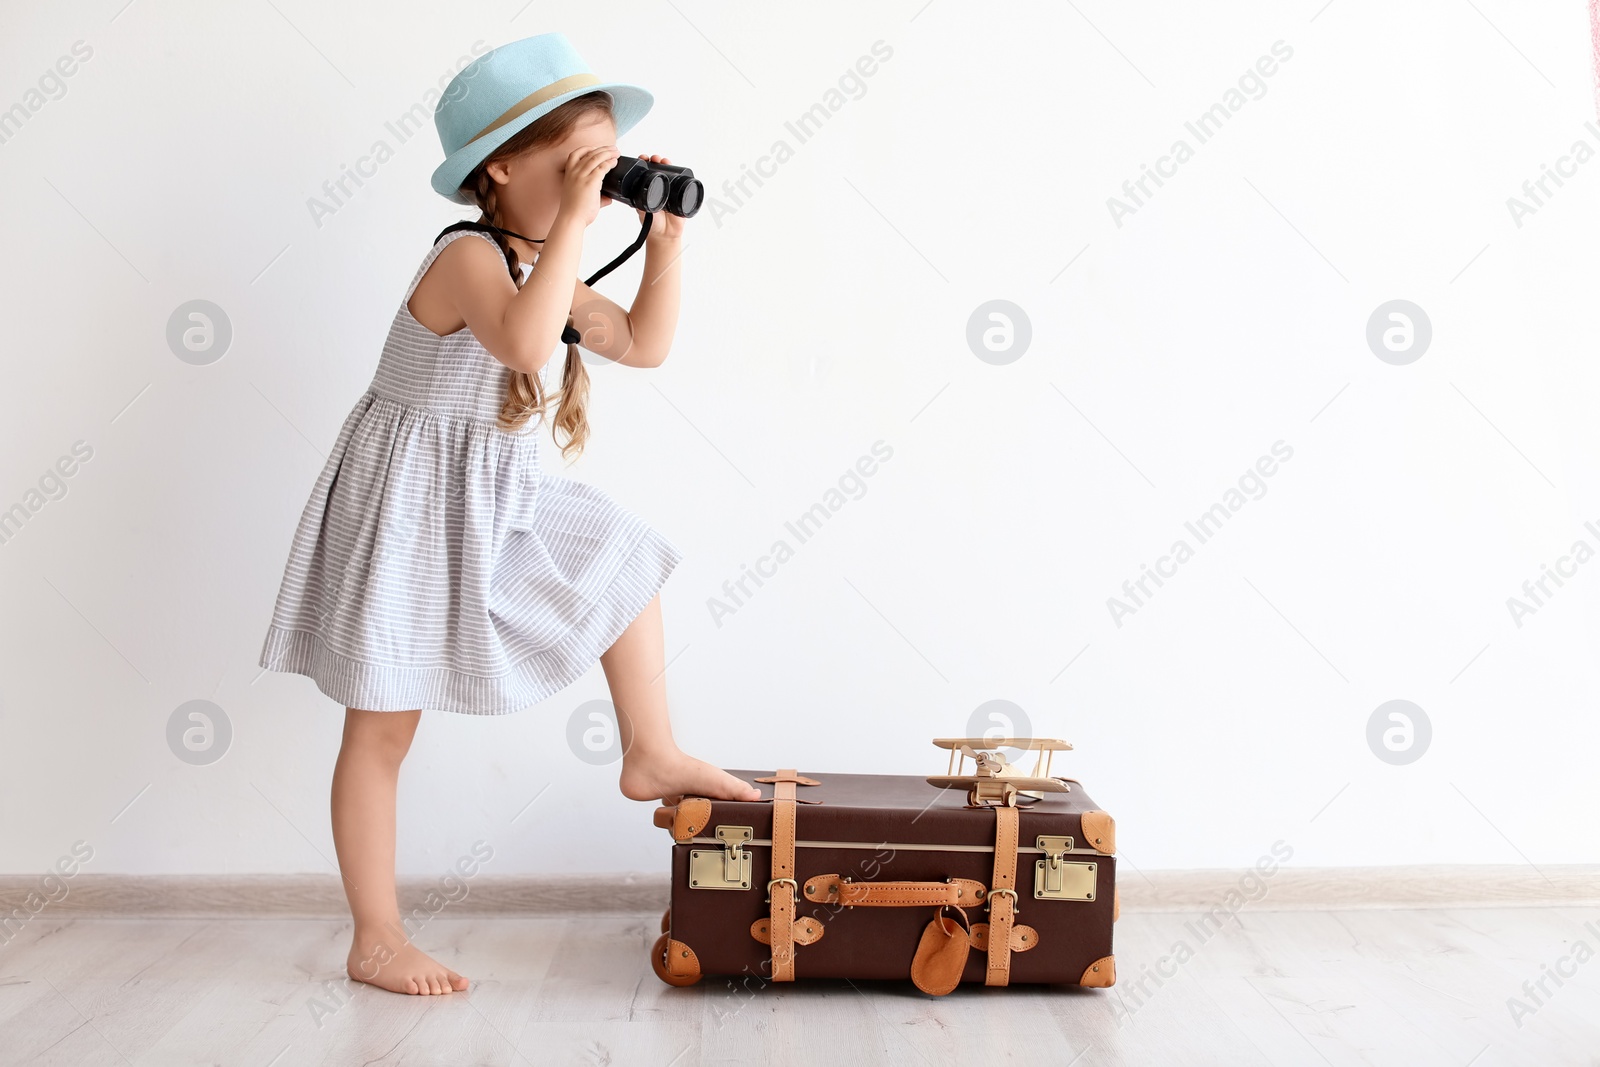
[(1102, 972), (1100, 830)]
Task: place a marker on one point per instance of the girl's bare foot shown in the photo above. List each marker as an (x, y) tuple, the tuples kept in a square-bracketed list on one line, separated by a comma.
[(669, 775), (375, 960)]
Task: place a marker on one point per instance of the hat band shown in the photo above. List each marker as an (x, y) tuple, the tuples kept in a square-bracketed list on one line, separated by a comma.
[(534, 99)]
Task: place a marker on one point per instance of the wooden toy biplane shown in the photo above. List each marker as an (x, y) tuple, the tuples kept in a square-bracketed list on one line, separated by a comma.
[(994, 779)]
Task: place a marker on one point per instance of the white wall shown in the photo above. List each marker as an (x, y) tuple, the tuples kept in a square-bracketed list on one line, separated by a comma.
[(825, 313)]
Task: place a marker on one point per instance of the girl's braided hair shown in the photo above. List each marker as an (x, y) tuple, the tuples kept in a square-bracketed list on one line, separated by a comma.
[(524, 395)]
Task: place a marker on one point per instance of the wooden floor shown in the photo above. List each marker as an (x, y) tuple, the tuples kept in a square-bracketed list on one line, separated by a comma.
[(1428, 986)]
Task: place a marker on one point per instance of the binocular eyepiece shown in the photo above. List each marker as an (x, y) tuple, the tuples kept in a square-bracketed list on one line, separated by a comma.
[(649, 186)]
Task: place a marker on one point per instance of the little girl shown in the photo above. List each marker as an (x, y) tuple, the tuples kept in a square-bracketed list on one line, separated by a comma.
[(436, 566)]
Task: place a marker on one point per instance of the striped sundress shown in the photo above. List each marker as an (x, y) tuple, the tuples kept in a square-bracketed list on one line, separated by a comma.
[(435, 565)]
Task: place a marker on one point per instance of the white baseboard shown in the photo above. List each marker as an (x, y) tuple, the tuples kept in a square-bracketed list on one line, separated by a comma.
[(317, 896), (1342, 888)]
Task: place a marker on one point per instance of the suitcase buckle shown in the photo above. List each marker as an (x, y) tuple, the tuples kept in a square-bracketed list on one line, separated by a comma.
[(1012, 893), (794, 887)]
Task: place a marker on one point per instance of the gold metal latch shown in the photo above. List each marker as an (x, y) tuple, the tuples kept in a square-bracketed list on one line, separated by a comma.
[(722, 868), (1057, 878)]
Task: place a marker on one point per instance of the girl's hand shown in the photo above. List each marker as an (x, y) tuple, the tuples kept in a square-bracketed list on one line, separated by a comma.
[(580, 189), (665, 224)]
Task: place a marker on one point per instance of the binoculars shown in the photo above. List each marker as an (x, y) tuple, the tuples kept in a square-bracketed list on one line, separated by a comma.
[(649, 186)]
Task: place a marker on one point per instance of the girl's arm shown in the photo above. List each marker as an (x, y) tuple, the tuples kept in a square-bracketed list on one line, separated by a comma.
[(641, 336), (520, 328), (655, 308)]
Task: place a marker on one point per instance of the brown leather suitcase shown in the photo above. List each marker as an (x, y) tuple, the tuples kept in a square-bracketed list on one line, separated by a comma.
[(994, 876)]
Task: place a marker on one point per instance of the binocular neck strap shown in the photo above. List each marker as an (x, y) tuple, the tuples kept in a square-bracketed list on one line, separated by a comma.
[(644, 232)]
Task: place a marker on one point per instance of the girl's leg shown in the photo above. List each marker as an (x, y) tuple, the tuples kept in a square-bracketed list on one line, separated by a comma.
[(653, 767), (364, 782)]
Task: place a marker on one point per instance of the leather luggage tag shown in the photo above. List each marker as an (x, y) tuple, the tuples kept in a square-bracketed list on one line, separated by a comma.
[(941, 953)]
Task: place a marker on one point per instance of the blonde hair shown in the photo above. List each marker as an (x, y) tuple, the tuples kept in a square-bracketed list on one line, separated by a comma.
[(524, 396)]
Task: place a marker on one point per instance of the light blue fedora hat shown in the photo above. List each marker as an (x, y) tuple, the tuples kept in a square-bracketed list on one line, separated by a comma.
[(498, 94)]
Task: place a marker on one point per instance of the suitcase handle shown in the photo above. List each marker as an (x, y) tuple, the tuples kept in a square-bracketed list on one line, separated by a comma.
[(832, 889)]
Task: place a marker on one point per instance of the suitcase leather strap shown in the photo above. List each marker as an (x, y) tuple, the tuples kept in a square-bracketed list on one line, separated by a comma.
[(831, 889), (781, 889), (1002, 896)]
